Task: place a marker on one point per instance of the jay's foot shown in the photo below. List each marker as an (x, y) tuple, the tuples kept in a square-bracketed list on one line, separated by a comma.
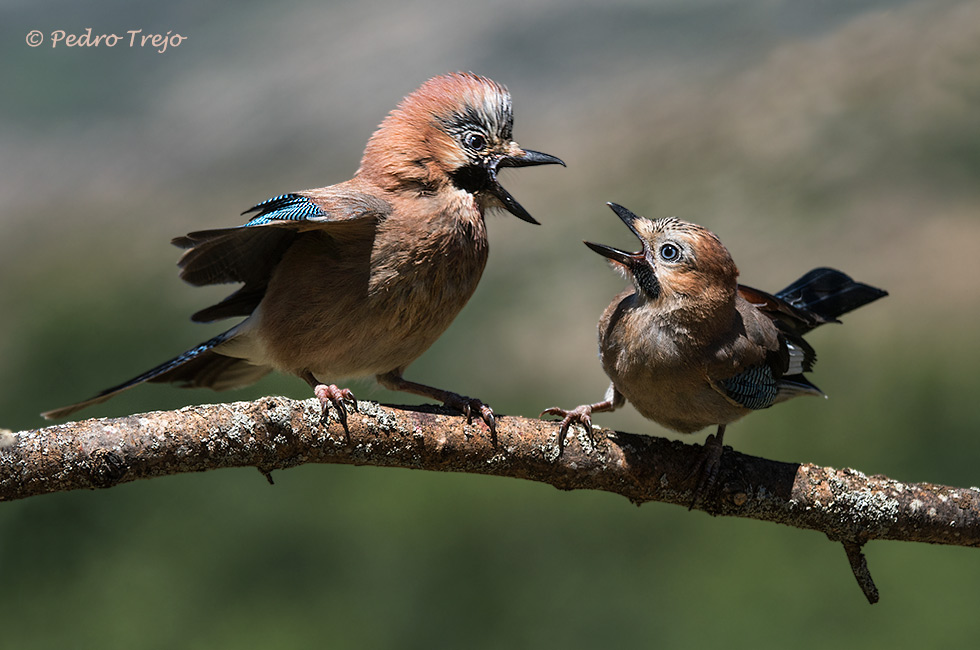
[(466, 405), (578, 415), (470, 405), (331, 395)]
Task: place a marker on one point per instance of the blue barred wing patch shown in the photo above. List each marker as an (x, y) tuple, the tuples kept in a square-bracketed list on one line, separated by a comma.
[(754, 389), (285, 207)]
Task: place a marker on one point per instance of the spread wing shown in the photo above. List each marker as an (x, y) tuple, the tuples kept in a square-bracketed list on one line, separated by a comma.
[(249, 253)]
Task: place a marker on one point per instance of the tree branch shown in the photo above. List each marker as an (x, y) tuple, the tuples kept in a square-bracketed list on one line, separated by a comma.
[(276, 433)]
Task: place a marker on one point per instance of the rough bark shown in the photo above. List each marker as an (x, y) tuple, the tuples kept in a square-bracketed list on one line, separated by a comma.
[(276, 433)]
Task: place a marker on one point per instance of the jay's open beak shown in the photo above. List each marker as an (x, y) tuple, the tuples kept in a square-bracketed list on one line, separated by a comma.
[(526, 158), (616, 255), (636, 263)]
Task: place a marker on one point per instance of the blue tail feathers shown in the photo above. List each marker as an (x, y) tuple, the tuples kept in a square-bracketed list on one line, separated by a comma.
[(199, 366)]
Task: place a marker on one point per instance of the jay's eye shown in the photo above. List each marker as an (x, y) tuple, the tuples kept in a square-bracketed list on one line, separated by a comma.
[(475, 141), (670, 253)]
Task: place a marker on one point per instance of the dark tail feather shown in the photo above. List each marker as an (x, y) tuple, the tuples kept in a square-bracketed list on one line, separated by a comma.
[(829, 293), (200, 366)]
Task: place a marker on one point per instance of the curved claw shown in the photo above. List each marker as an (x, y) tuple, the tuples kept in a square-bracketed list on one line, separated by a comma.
[(467, 406), (332, 395), (580, 414), (467, 411), (486, 414)]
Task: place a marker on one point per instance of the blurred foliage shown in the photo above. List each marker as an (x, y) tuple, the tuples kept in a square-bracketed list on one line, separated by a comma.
[(805, 134)]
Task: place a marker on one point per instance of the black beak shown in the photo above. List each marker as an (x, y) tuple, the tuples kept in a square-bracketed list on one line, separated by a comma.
[(628, 217), (527, 158), (616, 255), (636, 263)]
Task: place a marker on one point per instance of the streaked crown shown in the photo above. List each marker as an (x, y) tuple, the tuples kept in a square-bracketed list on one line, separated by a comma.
[(430, 124), (452, 134)]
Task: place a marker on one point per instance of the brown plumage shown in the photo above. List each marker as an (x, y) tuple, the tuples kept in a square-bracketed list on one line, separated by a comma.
[(689, 347), (360, 278)]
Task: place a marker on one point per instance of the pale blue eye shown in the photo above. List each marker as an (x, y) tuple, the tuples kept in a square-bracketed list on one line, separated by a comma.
[(475, 141), (670, 253)]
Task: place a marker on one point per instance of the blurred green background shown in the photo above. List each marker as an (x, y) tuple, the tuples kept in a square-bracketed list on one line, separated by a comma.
[(835, 133)]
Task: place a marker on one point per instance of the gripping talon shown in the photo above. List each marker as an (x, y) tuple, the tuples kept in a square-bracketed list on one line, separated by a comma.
[(331, 395), (468, 406), (580, 414), (486, 413)]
